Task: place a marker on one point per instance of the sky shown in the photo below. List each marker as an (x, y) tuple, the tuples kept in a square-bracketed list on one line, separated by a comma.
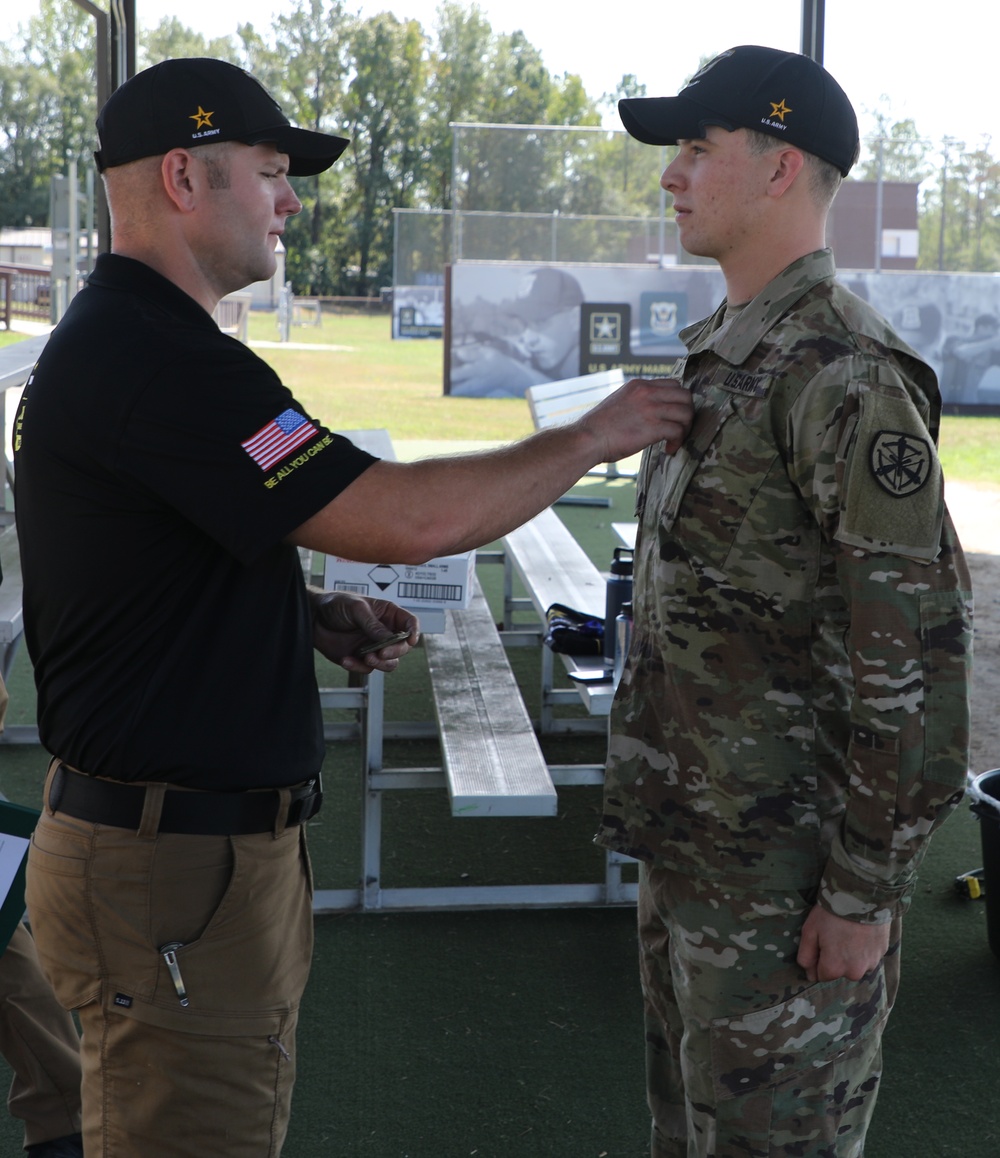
[(939, 72)]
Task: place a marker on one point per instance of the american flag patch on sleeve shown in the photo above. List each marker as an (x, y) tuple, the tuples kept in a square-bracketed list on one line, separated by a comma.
[(279, 438)]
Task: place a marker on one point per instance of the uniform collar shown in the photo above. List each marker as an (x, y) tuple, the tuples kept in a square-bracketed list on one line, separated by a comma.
[(736, 340)]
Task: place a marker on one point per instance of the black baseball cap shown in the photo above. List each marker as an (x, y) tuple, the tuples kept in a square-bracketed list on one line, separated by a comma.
[(178, 104), (784, 94)]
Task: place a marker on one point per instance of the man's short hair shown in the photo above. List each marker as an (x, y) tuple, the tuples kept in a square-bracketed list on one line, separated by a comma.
[(824, 178)]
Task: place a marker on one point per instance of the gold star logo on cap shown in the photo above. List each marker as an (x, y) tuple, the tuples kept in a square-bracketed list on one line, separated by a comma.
[(779, 110), (202, 119)]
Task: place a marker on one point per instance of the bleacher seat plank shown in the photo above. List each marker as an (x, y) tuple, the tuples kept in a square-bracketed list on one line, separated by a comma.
[(554, 567), (491, 755), (555, 403)]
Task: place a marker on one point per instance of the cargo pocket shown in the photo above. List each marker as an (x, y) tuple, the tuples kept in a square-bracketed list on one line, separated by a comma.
[(783, 1044), (217, 1086)]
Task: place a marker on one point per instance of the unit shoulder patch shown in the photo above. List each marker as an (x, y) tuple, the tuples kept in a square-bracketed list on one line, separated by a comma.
[(892, 495), (901, 463)]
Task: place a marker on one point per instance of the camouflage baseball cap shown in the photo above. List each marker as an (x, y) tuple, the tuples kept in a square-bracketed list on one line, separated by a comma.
[(783, 94)]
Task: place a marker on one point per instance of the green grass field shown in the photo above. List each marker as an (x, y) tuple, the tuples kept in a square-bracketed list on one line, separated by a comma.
[(378, 382), (375, 381)]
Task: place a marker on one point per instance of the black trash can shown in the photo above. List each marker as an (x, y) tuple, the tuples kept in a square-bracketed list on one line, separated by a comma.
[(985, 793)]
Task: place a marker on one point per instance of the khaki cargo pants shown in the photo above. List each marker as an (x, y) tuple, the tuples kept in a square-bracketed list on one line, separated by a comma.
[(162, 1079)]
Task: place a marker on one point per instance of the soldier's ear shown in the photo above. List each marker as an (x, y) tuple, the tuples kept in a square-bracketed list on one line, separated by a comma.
[(787, 164)]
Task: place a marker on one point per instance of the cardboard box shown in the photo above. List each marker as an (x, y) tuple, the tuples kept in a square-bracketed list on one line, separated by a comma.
[(444, 582)]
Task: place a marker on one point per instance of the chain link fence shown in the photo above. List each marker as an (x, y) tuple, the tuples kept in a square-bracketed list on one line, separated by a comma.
[(428, 240), (540, 193)]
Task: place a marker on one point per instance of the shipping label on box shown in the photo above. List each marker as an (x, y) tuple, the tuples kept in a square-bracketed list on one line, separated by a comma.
[(442, 582)]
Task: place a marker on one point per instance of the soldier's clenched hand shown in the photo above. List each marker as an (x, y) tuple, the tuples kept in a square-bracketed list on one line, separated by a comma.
[(832, 947)]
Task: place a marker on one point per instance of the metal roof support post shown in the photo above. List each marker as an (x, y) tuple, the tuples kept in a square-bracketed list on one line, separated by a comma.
[(813, 23), (122, 40), (115, 63), (455, 130)]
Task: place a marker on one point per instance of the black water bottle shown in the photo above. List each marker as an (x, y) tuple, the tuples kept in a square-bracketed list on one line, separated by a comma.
[(619, 592)]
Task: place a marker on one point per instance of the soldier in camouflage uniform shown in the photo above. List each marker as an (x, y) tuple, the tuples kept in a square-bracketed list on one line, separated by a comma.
[(793, 719)]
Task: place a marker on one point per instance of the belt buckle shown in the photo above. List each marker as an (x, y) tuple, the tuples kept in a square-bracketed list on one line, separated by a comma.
[(305, 807)]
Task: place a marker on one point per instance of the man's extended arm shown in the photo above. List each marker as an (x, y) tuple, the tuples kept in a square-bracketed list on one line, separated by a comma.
[(410, 512)]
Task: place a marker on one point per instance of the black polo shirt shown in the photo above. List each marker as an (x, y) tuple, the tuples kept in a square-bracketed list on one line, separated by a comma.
[(160, 465)]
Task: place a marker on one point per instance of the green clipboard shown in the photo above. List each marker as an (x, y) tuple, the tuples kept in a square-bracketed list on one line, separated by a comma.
[(17, 823)]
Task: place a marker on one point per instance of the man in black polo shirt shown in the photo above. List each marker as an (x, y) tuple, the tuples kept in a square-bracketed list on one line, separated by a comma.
[(165, 478)]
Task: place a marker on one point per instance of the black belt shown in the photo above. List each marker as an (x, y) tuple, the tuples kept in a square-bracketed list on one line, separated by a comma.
[(193, 813)]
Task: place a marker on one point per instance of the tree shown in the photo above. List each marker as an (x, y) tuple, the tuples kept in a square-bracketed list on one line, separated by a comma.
[(894, 151), (984, 209), (25, 156), (960, 222), (395, 92), (47, 107), (512, 172), (457, 79), (382, 111), (170, 40), (307, 71), (629, 87)]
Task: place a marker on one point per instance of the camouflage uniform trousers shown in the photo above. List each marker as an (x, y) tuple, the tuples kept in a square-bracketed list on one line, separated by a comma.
[(744, 1057)]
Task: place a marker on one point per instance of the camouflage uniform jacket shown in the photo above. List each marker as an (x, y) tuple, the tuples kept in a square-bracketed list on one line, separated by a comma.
[(794, 710)]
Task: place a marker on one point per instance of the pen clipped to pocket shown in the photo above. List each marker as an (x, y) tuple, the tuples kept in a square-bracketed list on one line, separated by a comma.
[(169, 954)]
